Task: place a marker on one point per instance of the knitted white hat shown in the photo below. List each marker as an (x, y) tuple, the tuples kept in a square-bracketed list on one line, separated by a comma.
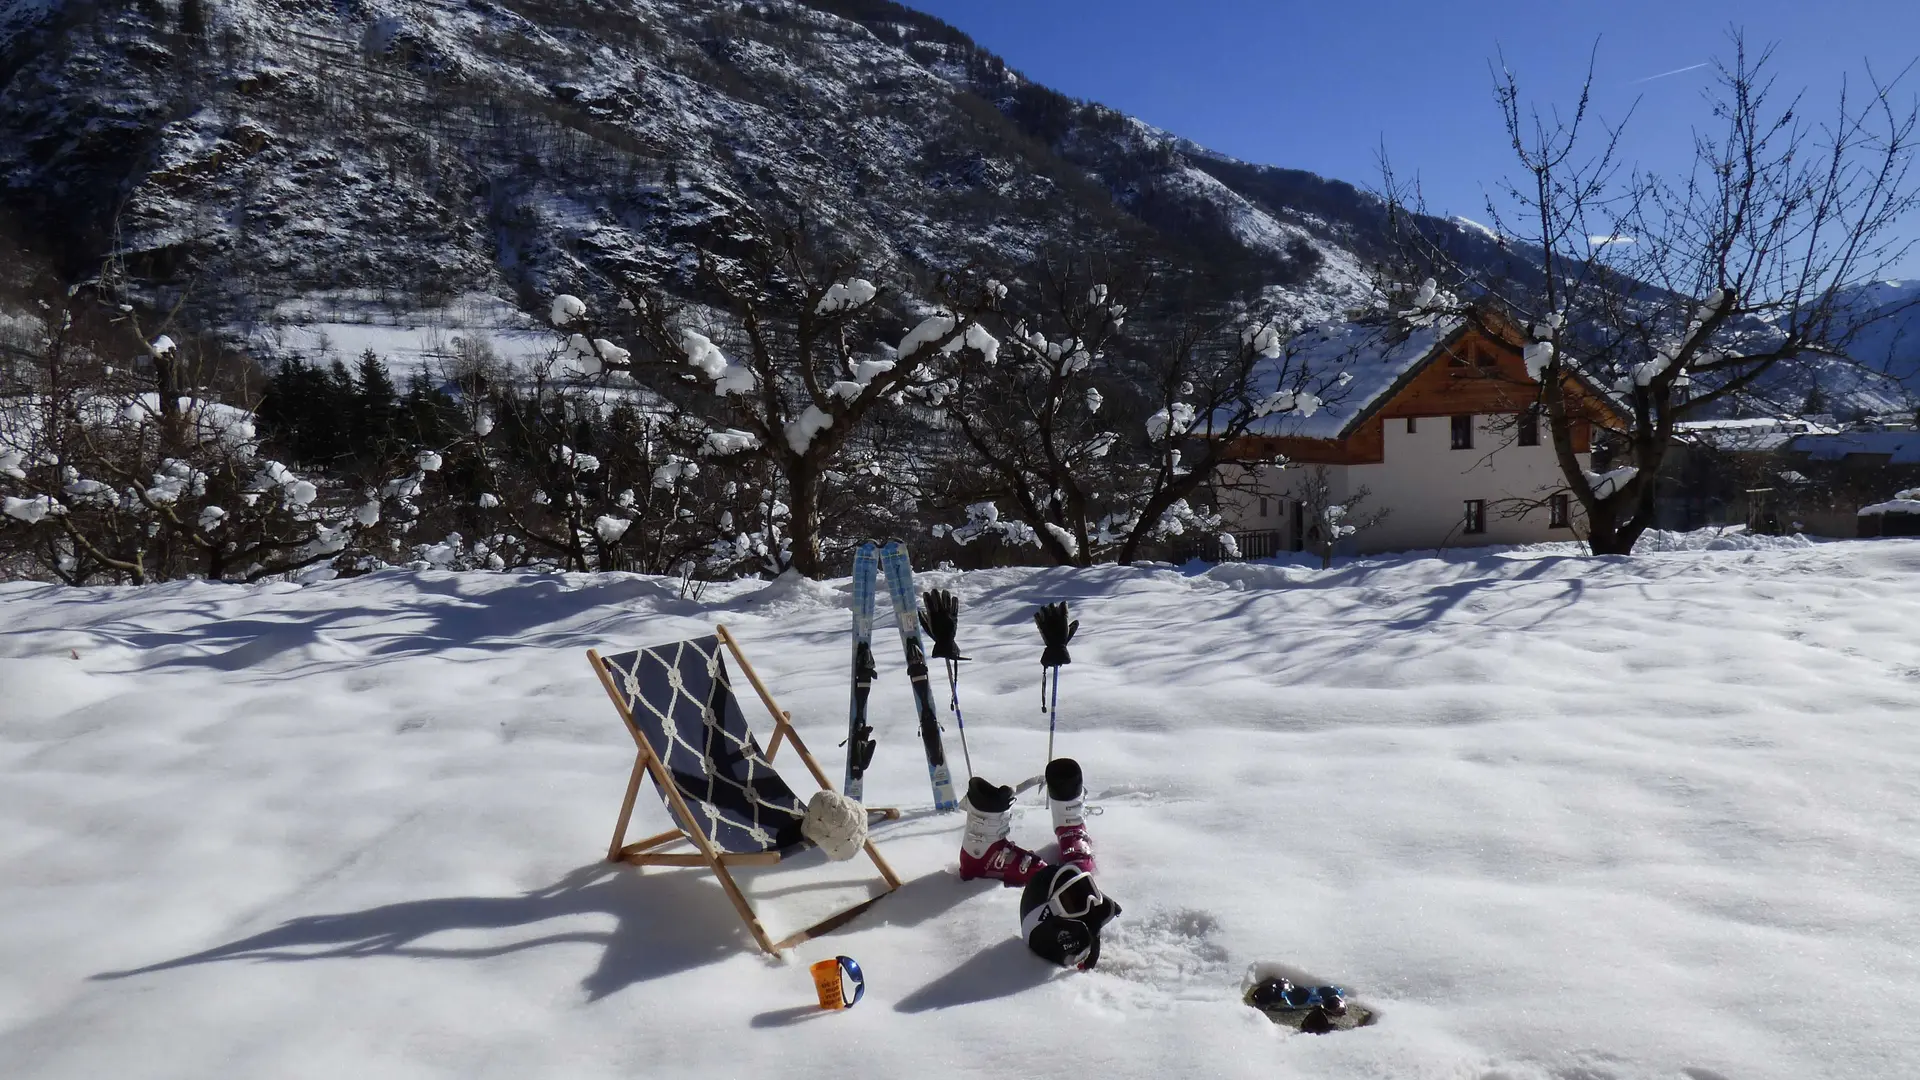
[(836, 823)]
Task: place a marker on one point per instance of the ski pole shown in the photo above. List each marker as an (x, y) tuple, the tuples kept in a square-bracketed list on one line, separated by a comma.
[(1056, 630), (1053, 711), (960, 722)]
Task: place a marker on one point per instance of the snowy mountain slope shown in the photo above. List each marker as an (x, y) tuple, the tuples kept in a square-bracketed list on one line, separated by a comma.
[(422, 149), (1879, 376), (1891, 344), (1559, 816)]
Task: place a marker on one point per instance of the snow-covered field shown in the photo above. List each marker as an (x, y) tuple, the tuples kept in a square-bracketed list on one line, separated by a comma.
[(1559, 817), (328, 327)]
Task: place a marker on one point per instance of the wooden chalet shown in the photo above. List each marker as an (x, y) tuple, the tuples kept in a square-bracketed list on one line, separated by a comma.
[(1438, 424)]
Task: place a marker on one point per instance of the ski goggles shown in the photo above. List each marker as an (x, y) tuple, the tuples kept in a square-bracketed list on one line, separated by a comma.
[(1057, 901), (1282, 994), (831, 979)]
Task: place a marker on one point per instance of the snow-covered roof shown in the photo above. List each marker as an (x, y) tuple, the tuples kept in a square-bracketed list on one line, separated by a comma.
[(1903, 503), (1902, 447), (1376, 357), (1756, 433)]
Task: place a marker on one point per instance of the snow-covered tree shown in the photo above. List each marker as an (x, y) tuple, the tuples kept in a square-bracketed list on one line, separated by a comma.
[(1679, 295), (1104, 440), (1331, 520), (788, 370), (129, 456), (561, 470)]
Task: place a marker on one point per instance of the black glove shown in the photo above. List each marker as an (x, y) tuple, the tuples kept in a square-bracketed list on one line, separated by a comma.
[(1055, 631), (941, 621)]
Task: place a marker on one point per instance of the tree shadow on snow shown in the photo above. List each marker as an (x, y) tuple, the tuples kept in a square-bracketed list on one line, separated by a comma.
[(664, 923), (997, 972), (454, 612)]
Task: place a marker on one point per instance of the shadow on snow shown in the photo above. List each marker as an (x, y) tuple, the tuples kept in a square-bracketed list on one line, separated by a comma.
[(665, 922)]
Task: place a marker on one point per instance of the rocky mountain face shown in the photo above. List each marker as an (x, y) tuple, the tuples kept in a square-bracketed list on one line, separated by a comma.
[(259, 157), (247, 153)]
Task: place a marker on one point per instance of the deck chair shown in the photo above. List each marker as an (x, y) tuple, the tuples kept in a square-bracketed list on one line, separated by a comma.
[(722, 792)]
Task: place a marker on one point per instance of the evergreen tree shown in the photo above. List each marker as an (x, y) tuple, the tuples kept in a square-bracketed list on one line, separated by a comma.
[(430, 416), (376, 409), (305, 412)]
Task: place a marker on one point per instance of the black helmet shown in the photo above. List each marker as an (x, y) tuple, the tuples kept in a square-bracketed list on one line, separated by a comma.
[(1065, 929)]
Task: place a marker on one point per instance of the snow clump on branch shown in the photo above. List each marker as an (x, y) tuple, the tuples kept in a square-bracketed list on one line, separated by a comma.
[(731, 441), (1607, 483), (1172, 420), (1288, 401), (939, 325), (704, 356), (175, 478), (850, 293), (1264, 339), (566, 455), (591, 357), (32, 510), (274, 476), (800, 432), (675, 470), (1428, 304), (566, 308), (983, 519)]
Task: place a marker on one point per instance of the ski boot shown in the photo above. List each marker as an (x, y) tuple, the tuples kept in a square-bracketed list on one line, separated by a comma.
[(1067, 799), (985, 850)]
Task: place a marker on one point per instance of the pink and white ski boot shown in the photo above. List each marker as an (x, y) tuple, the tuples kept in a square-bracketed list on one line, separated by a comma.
[(985, 850), (1065, 795)]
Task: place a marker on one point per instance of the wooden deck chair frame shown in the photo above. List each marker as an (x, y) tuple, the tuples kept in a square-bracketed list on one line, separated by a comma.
[(652, 850)]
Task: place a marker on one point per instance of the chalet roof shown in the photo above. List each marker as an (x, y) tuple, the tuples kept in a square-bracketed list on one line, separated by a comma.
[(1378, 357)]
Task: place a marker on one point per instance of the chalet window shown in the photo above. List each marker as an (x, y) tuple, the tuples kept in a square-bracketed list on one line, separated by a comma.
[(1476, 517), (1463, 433), (1481, 357), (1297, 532), (1263, 506), (1530, 428), (1559, 511), (1409, 425)]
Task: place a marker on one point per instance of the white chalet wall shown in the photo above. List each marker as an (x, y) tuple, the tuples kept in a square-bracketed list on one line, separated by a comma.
[(1425, 483)]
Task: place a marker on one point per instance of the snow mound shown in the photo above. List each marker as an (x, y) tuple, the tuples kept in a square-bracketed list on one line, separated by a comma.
[(1731, 538)]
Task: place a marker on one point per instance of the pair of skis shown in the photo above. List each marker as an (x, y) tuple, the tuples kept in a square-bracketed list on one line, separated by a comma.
[(869, 563)]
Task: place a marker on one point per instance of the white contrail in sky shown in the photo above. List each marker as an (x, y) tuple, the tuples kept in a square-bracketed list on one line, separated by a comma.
[(1664, 74)]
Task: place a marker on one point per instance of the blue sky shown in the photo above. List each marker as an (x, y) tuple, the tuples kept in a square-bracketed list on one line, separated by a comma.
[(1322, 86)]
